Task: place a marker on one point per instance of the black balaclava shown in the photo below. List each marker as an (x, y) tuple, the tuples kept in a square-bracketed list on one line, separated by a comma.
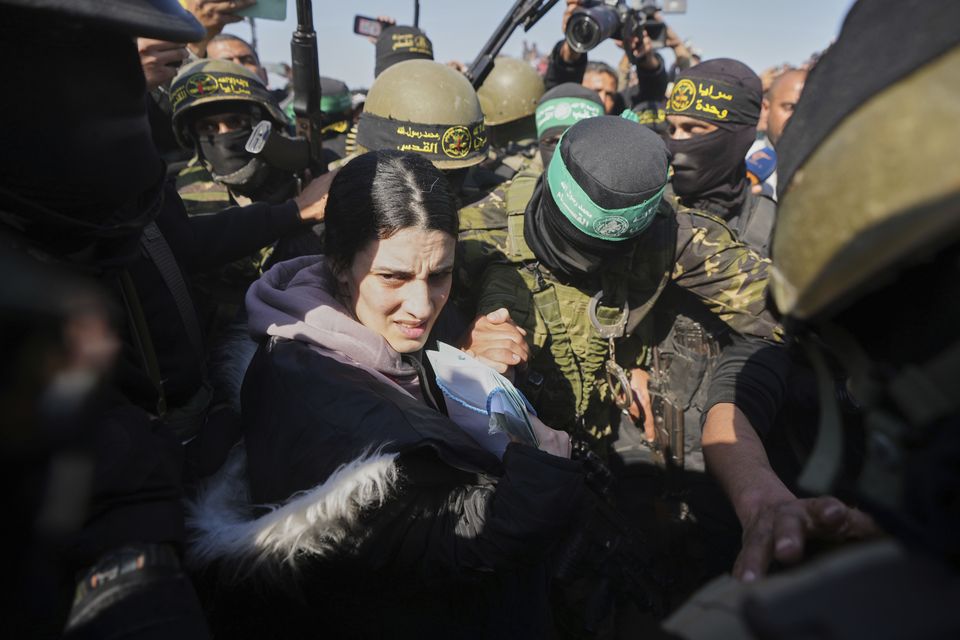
[(230, 164), (226, 153), (575, 103), (245, 174), (585, 149), (78, 163), (399, 43), (709, 170)]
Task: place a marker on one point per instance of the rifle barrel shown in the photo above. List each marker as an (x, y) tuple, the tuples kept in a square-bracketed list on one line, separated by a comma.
[(525, 12), (305, 15)]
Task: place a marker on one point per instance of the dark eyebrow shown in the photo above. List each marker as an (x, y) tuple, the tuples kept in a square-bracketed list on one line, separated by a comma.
[(393, 272)]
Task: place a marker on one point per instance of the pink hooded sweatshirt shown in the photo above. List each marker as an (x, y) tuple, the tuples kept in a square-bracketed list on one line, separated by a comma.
[(296, 300)]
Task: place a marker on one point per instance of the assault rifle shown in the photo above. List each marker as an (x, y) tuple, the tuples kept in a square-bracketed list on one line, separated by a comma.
[(525, 12), (305, 150), (668, 426)]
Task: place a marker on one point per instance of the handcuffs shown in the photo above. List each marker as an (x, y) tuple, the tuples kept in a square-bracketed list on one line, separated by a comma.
[(617, 378)]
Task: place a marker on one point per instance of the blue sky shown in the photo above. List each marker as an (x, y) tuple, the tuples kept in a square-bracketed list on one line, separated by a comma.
[(760, 33)]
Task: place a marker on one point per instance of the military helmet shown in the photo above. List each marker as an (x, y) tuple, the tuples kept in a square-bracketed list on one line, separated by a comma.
[(866, 254), (510, 92), (161, 19), (428, 108), (857, 179), (206, 82)]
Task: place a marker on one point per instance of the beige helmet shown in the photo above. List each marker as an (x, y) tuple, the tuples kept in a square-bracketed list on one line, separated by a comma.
[(865, 264), (428, 108), (205, 82), (856, 204), (510, 92)]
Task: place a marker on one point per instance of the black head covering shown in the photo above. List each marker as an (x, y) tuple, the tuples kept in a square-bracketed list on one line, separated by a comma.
[(862, 64), (565, 90), (399, 43), (586, 149), (88, 164), (710, 171), (161, 19)]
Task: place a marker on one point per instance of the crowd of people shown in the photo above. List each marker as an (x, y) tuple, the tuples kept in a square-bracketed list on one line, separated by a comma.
[(729, 305)]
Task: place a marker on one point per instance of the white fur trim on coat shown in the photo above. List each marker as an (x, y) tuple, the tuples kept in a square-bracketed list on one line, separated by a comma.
[(313, 522)]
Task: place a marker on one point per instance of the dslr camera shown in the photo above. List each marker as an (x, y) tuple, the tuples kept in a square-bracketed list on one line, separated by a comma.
[(596, 20)]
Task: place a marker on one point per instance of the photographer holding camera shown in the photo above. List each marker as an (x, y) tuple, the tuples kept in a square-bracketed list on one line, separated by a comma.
[(586, 23)]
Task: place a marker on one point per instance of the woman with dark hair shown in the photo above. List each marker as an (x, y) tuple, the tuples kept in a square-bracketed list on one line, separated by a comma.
[(356, 507)]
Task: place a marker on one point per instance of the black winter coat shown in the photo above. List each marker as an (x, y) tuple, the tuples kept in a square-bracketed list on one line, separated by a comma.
[(388, 519)]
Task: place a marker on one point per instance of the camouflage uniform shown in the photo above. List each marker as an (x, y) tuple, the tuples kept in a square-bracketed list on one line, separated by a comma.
[(566, 378)]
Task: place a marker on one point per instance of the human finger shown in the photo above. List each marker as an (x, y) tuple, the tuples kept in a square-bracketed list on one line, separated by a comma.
[(498, 366), (224, 12), (501, 354), (227, 6), (502, 316), (832, 518), (790, 530), (485, 331), (160, 45), (756, 550), (515, 351), (499, 316), (170, 56)]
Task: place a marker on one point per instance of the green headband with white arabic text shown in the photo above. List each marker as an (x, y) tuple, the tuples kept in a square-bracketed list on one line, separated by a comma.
[(564, 112), (589, 217)]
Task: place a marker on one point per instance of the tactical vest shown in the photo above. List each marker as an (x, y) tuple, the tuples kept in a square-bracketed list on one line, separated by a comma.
[(571, 330), (754, 224)]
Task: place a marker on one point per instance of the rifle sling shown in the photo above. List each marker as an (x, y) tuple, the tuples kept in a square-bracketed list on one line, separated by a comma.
[(159, 251)]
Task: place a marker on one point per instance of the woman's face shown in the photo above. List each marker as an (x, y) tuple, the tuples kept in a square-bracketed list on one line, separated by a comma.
[(398, 286)]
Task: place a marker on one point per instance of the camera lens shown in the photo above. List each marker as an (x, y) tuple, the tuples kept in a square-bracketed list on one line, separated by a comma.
[(583, 34), (589, 26)]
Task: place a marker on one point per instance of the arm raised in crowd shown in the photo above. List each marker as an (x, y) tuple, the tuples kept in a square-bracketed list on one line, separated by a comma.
[(207, 241), (160, 60), (565, 64), (214, 15)]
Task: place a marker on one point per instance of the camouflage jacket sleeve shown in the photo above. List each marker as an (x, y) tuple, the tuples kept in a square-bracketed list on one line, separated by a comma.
[(729, 277), (200, 194), (482, 237)]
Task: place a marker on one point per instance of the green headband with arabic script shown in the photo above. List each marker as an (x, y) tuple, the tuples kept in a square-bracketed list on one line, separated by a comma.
[(713, 100), (589, 217), (564, 112)]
